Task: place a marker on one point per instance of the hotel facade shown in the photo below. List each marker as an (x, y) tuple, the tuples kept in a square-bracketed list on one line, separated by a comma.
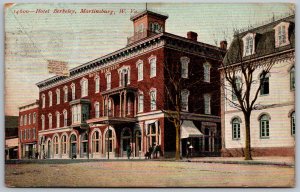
[(119, 100)]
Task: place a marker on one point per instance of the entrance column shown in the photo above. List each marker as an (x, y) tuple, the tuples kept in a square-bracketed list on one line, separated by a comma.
[(125, 103), (120, 104)]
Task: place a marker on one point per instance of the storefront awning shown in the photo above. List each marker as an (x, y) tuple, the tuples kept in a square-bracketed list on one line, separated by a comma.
[(188, 129)]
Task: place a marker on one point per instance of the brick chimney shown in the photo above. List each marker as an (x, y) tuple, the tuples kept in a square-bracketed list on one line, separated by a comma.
[(192, 35), (223, 45)]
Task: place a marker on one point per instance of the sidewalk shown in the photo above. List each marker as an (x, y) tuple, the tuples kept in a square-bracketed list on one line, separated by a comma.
[(268, 160)]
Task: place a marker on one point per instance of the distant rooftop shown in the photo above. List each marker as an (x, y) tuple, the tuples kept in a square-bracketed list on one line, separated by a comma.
[(152, 12)]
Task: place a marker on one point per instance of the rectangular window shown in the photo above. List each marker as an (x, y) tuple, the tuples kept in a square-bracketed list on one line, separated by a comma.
[(73, 91), (281, 35), (249, 46), (236, 131), (152, 67), (34, 133), (207, 104), (97, 84), (141, 103), (29, 119), (97, 112), (264, 90), (108, 81), (140, 71), (65, 94), (57, 96), (50, 99), (292, 78), (184, 70), (184, 100), (264, 128), (153, 100)]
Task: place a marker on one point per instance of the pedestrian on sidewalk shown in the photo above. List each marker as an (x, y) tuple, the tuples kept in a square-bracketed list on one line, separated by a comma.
[(128, 151)]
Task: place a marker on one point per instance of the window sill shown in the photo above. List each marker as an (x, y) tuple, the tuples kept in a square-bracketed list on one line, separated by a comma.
[(264, 137), (264, 95), (237, 139)]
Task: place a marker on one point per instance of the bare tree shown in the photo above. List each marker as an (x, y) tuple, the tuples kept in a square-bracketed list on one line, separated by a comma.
[(237, 79)]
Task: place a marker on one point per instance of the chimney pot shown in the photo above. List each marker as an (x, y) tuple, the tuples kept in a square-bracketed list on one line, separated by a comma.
[(192, 35), (223, 45)]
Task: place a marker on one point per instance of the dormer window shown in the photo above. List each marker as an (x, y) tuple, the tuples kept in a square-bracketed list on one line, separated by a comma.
[(281, 34), (249, 44)]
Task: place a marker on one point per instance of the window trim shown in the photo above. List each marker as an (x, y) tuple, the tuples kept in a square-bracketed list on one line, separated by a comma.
[(97, 84), (278, 33), (186, 93), (206, 72), (152, 57), (236, 121), (153, 107), (266, 129), (65, 94), (184, 67), (262, 86), (140, 104), (207, 111), (57, 96), (50, 98), (245, 44), (84, 85), (140, 71), (108, 83)]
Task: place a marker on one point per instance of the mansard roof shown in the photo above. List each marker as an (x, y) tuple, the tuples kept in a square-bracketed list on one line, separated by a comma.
[(264, 42)]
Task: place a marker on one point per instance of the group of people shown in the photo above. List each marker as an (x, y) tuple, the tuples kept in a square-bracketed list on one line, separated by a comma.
[(153, 151)]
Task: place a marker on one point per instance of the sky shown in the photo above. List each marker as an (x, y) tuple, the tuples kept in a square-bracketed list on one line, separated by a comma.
[(32, 38)]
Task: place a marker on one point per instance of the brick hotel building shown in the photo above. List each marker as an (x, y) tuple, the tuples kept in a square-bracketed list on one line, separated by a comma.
[(28, 130), (117, 100)]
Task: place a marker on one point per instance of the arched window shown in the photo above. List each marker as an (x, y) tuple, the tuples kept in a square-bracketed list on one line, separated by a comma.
[(152, 61), (108, 81), (264, 81), (109, 140), (84, 142), (264, 126), (55, 145), (292, 78), (293, 124), (184, 67), (57, 96), (236, 129), (153, 99), (73, 91), (43, 100), (21, 120), (29, 119), (43, 122), (185, 100), (97, 110), (206, 70), (64, 144), (96, 144), (238, 84), (124, 76), (140, 70), (50, 98), (97, 84), (25, 119), (34, 117), (57, 119), (50, 120), (65, 94), (84, 87), (141, 102), (65, 118)]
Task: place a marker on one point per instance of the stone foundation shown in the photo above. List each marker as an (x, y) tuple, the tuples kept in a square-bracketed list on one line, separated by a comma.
[(261, 151)]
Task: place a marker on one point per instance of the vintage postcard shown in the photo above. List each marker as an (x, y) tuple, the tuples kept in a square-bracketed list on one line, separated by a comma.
[(149, 95)]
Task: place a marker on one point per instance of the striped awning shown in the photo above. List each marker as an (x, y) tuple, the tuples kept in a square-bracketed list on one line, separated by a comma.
[(188, 129)]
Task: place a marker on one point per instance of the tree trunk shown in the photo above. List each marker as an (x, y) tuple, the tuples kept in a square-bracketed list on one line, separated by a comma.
[(248, 136), (177, 152)]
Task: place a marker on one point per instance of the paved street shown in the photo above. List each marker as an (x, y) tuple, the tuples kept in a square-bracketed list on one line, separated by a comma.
[(147, 174)]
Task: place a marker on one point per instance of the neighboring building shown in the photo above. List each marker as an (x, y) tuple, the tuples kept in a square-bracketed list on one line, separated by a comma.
[(116, 100), (28, 130), (11, 137), (273, 124)]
